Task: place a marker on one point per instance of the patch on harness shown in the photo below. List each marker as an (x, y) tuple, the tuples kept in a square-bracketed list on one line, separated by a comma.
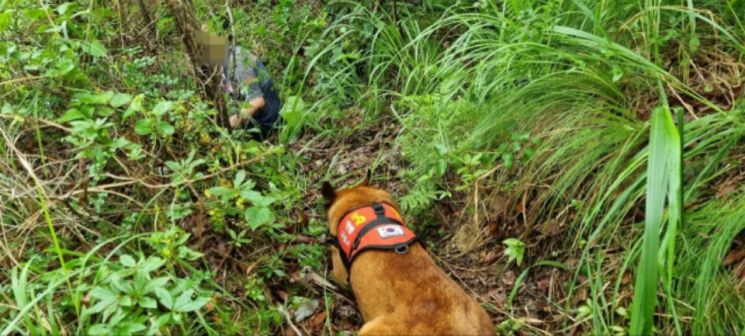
[(390, 230), (350, 227)]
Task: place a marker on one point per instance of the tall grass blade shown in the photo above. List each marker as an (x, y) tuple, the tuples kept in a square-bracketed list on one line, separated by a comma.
[(664, 152), (675, 215)]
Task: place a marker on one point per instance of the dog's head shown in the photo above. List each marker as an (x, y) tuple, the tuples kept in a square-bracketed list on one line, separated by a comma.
[(341, 201)]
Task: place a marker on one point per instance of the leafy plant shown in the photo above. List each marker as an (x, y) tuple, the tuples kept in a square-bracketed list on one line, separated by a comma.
[(171, 244), (515, 250), (154, 122), (88, 116), (231, 200), (127, 300), (183, 170)]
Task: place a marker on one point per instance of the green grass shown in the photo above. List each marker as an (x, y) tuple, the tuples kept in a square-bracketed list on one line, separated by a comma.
[(558, 82)]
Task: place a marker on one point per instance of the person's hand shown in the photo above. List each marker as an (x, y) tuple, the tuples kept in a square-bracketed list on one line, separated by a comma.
[(235, 120), (257, 102), (252, 107)]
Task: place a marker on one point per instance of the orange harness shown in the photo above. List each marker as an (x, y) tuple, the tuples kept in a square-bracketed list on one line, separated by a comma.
[(373, 227)]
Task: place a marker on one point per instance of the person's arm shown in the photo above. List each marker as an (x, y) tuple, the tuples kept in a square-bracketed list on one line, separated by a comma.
[(254, 105), (255, 99), (247, 112)]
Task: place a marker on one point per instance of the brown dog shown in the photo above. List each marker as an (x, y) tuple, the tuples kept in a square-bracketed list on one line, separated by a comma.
[(399, 289)]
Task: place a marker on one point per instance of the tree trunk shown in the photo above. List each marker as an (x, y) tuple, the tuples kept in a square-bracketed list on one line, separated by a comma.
[(208, 77), (152, 39)]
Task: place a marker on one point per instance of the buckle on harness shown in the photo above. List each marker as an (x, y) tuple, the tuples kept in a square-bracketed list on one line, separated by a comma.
[(401, 249)]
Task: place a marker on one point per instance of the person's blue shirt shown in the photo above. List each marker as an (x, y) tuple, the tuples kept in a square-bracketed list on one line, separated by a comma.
[(245, 78)]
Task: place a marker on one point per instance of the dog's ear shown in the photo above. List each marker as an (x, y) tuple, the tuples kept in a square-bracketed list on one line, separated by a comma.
[(368, 177), (328, 192)]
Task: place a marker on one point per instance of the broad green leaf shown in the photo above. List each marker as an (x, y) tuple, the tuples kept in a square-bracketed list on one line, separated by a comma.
[(165, 128), (134, 152), (104, 111), (583, 311), (125, 301), (264, 201), (188, 254), (141, 279), (293, 111), (196, 163), (159, 282), (62, 67), (6, 18), (184, 299), (164, 296), (54, 28), (161, 321), (508, 160), (35, 13), (120, 99), (134, 107), (258, 216), (112, 309), (119, 143), (173, 166), (99, 329), (72, 114), (183, 237), (99, 307), (162, 108), (133, 328), (102, 98), (152, 264), (221, 191), (148, 302), (127, 260), (144, 127), (65, 66), (239, 178), (193, 305), (94, 48), (119, 283), (114, 314), (103, 294), (63, 8), (694, 43), (252, 196)]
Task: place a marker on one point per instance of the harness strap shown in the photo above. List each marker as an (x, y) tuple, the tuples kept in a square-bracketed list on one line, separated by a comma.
[(344, 259), (365, 229)]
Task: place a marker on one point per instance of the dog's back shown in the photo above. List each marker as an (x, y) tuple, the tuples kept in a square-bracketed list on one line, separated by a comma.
[(410, 293)]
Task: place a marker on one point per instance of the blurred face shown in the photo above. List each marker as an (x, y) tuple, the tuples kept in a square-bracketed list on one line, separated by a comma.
[(214, 48)]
